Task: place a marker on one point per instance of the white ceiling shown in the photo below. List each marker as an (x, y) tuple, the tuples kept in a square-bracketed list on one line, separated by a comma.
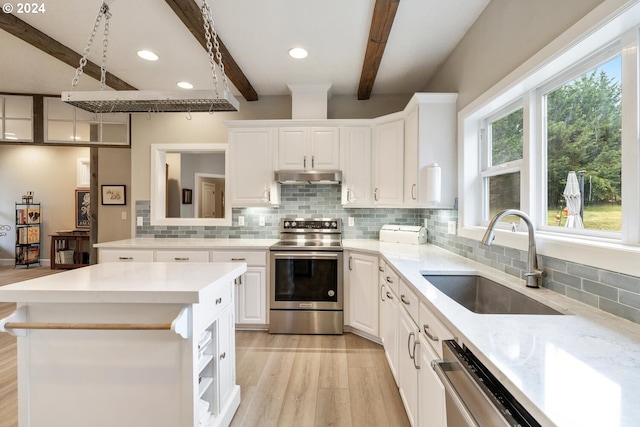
[(258, 34)]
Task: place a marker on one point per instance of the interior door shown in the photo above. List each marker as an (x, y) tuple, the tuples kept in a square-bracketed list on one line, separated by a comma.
[(208, 200)]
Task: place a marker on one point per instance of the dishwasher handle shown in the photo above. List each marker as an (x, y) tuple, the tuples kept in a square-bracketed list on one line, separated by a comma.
[(453, 393)]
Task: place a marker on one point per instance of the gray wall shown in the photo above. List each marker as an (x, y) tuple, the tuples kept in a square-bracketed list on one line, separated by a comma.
[(507, 33)]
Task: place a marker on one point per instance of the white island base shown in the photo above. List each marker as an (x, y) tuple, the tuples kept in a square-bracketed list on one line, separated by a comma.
[(134, 345)]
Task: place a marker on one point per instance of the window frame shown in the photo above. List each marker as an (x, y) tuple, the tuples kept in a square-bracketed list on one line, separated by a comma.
[(591, 62), (600, 28)]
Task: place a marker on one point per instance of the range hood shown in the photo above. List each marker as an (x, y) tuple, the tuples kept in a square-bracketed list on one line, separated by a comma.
[(308, 177)]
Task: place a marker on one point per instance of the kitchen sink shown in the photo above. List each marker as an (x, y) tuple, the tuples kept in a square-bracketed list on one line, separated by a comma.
[(484, 296)]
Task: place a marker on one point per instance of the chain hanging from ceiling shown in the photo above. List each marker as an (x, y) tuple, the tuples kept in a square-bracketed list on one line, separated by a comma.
[(104, 101)]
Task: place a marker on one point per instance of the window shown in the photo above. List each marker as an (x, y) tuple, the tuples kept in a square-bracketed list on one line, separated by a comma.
[(582, 135), (502, 139), (581, 112)]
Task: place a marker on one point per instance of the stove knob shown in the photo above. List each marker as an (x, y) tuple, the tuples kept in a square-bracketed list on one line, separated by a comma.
[(331, 293), (293, 224), (334, 224), (327, 224), (286, 224)]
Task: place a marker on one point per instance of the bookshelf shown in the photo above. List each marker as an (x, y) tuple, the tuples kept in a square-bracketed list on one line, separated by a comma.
[(69, 250), (28, 222)]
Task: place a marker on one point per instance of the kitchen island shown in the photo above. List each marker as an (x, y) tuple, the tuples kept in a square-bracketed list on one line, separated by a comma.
[(126, 344)]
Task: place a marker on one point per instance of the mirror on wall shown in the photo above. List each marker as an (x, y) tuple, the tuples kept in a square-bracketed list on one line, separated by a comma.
[(189, 185)]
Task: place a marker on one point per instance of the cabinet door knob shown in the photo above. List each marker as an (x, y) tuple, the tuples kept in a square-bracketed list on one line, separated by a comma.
[(404, 300), (389, 280), (375, 194), (304, 162), (223, 355), (413, 191), (415, 358), (218, 300), (411, 334), (382, 292)]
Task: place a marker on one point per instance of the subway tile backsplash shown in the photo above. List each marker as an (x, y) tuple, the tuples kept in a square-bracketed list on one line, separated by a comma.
[(613, 292)]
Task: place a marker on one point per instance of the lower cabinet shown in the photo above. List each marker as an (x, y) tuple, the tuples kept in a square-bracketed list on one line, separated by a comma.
[(362, 277), (408, 364), (389, 324), (432, 411), (250, 288)]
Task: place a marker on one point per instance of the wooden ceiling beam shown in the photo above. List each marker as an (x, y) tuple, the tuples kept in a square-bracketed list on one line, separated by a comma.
[(384, 13), (20, 29), (191, 17)]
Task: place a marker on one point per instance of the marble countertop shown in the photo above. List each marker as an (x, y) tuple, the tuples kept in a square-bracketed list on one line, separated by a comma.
[(139, 282), (578, 369)]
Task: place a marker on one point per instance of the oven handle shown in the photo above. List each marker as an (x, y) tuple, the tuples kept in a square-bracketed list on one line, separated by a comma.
[(453, 393), (306, 255)]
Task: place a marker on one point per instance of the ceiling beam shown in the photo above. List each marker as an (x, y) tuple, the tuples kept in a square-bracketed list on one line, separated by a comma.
[(191, 17), (37, 38), (384, 13)]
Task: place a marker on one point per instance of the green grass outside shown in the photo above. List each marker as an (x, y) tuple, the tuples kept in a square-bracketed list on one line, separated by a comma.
[(599, 217)]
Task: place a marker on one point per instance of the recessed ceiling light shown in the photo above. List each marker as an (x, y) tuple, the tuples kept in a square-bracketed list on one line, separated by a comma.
[(148, 55), (185, 85), (298, 52)]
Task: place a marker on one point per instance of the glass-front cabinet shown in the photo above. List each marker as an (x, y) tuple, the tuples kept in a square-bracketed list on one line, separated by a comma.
[(67, 124), (16, 118)]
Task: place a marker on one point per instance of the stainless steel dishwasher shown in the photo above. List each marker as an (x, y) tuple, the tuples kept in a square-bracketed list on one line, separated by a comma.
[(474, 397)]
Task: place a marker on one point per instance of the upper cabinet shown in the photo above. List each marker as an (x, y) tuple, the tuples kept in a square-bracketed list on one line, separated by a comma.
[(309, 148), (251, 153), (429, 138), (16, 114), (356, 166), (388, 163)]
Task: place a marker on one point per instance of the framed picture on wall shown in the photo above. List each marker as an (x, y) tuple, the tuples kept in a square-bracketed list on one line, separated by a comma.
[(114, 195), (187, 196), (83, 208)]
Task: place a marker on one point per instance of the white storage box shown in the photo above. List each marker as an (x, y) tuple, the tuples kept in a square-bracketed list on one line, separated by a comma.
[(410, 234)]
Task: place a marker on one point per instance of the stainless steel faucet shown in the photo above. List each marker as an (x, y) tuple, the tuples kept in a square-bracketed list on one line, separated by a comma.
[(533, 274)]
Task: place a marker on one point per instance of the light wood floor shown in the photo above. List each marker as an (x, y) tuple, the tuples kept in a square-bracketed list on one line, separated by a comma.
[(285, 380)]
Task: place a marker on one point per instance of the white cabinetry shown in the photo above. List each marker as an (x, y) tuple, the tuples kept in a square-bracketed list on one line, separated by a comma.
[(432, 411), (252, 153), (408, 364), (308, 148), (362, 276), (250, 288), (388, 163), (356, 166), (429, 137), (388, 308)]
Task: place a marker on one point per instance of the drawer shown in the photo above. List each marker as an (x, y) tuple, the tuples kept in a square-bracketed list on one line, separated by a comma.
[(124, 255), (432, 329), (210, 308), (390, 278), (254, 258), (182, 256), (409, 301)]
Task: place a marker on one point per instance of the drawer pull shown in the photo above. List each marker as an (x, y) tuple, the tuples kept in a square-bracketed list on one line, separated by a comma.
[(381, 269), (431, 337), (382, 293), (415, 359), (404, 300), (181, 259), (223, 355), (389, 295), (125, 258), (389, 280), (238, 259), (411, 334), (218, 300), (238, 280)]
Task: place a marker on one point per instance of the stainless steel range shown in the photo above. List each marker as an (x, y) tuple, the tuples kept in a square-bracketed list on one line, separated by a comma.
[(306, 277)]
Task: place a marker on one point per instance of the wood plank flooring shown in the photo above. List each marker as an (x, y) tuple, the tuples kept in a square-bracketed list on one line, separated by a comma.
[(285, 380)]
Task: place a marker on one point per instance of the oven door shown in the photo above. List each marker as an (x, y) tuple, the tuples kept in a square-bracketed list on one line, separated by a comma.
[(306, 280)]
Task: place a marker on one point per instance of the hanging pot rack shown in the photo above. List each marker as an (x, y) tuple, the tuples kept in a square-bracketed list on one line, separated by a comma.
[(145, 101)]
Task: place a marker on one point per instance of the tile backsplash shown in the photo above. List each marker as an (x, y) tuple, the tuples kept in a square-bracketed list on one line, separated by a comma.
[(613, 292)]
